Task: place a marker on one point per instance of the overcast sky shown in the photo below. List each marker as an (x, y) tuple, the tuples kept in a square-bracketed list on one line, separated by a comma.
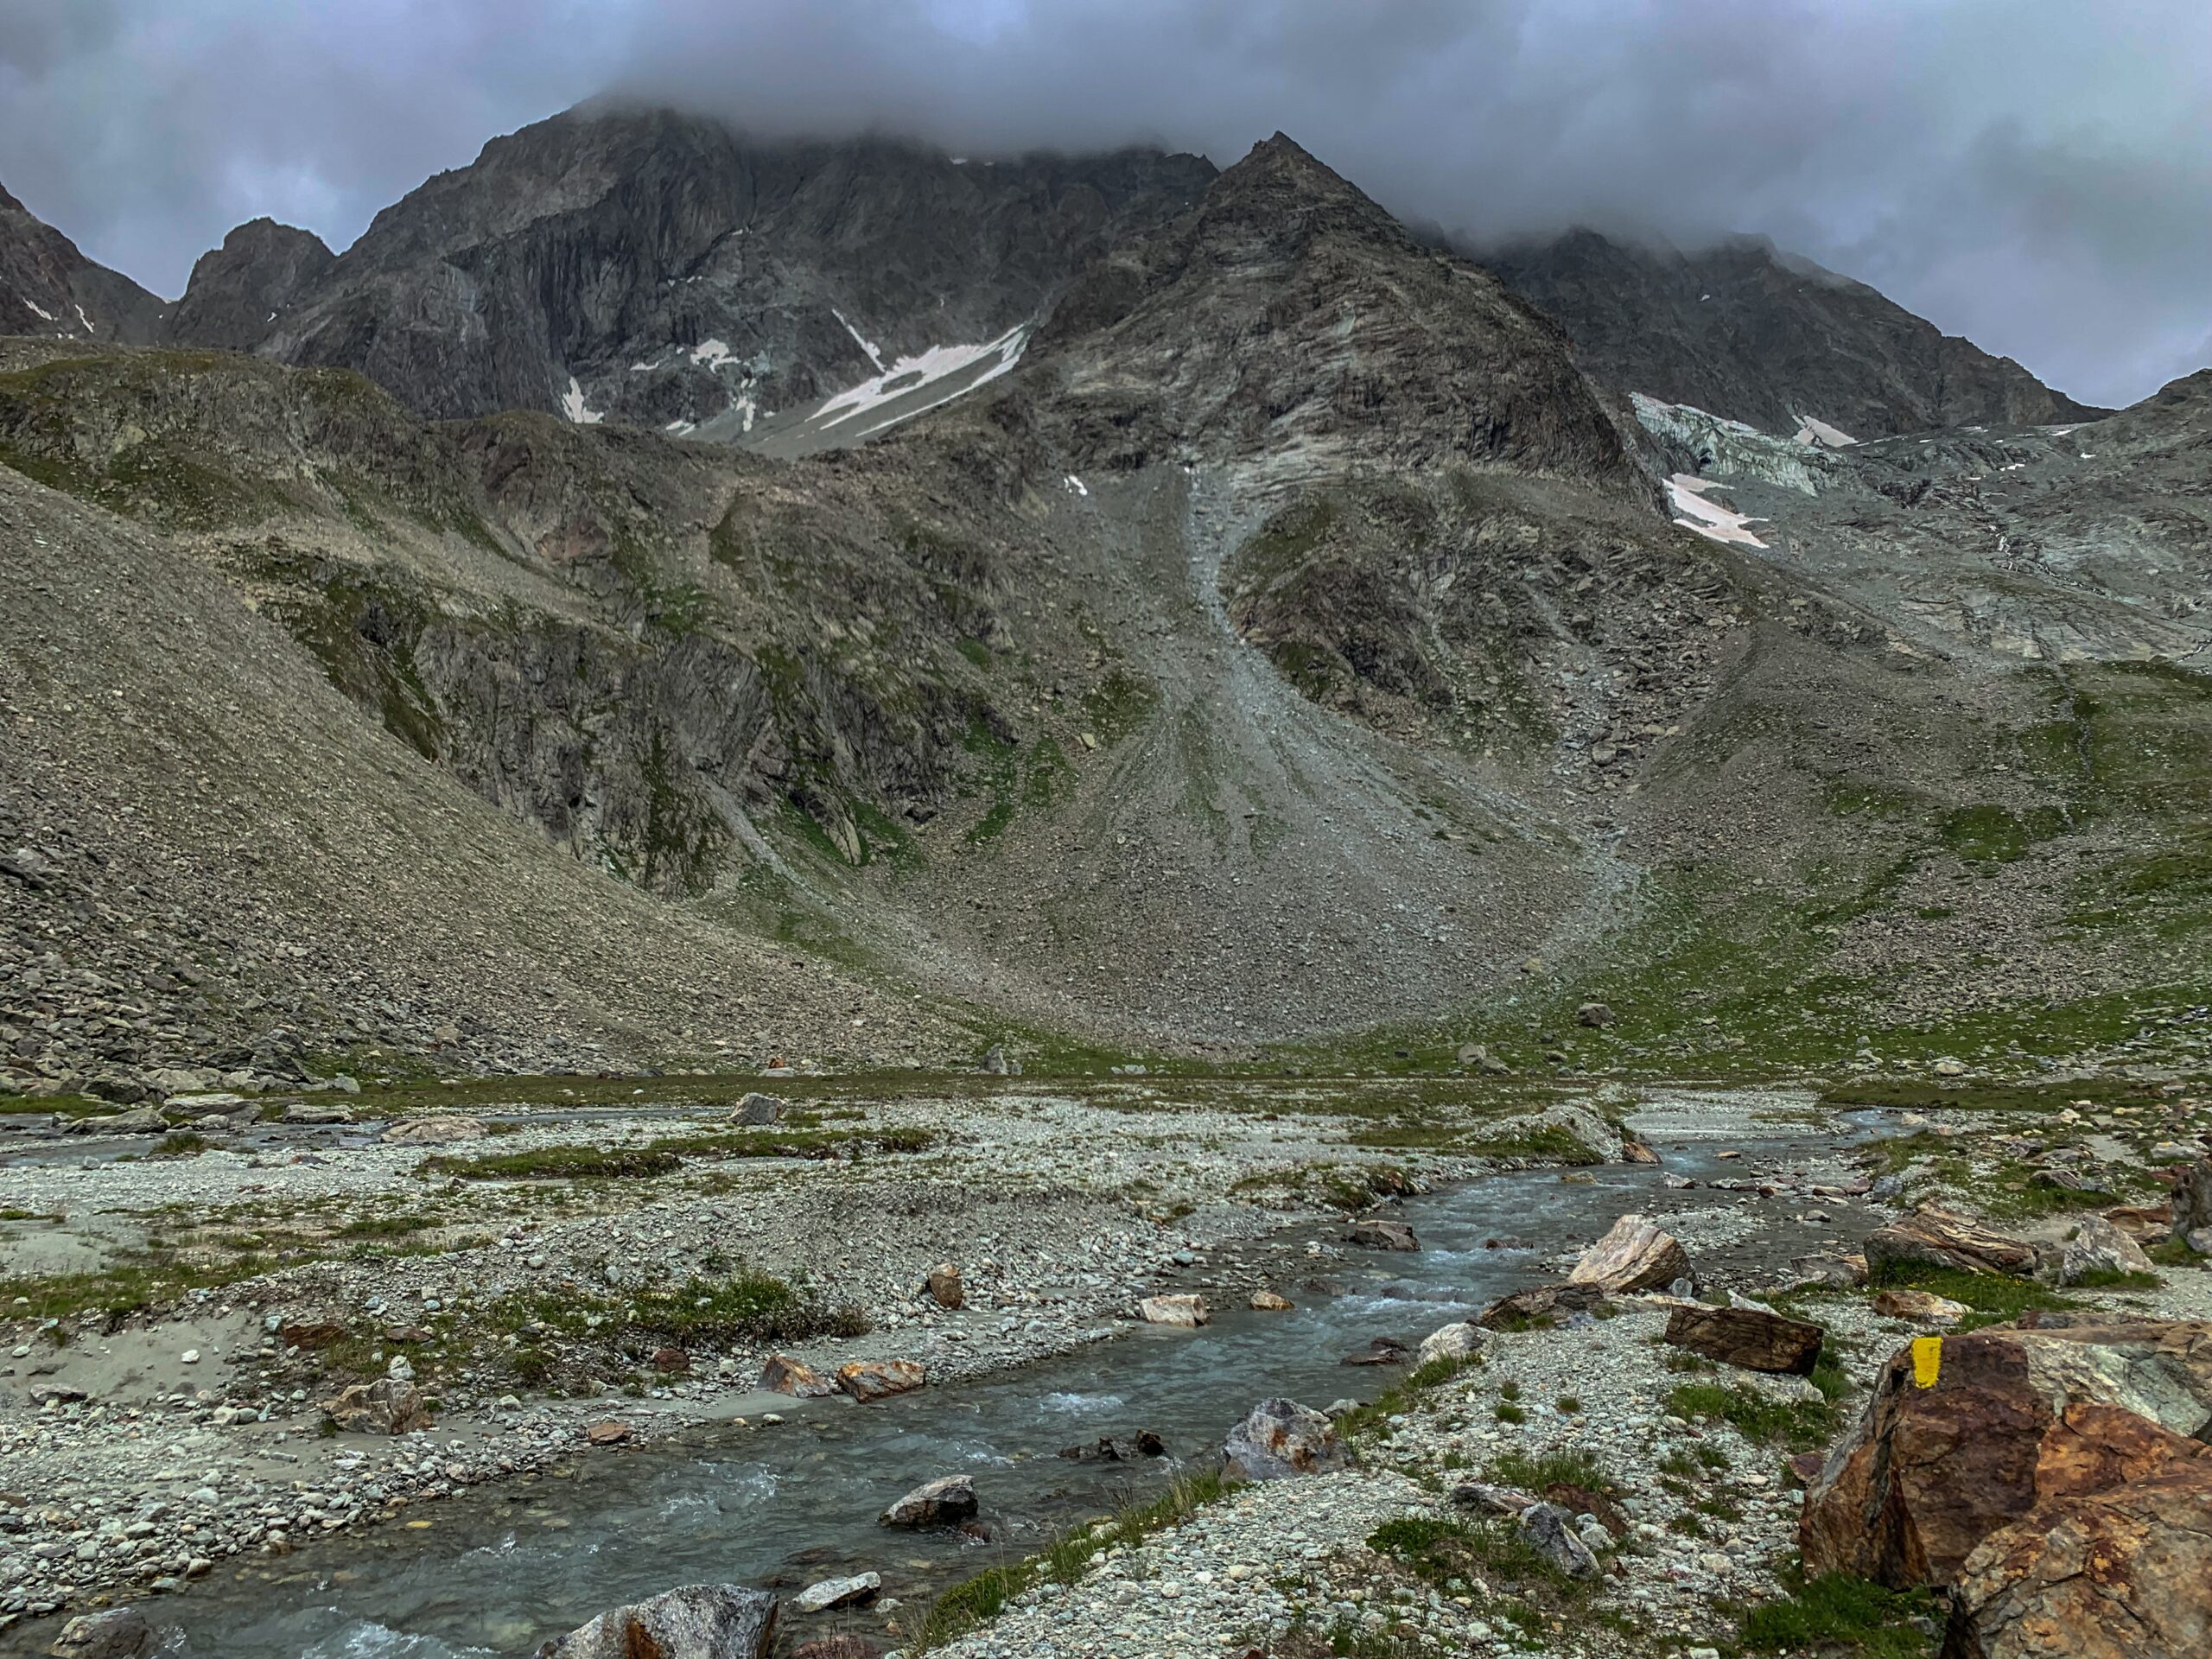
[(2035, 173)]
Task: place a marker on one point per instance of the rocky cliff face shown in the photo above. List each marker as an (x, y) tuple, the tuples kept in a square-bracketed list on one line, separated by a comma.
[(1745, 330), (48, 287), (655, 268), (239, 292), (1286, 316), (1296, 577)]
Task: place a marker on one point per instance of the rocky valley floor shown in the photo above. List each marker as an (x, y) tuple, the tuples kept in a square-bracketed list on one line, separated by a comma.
[(565, 1296)]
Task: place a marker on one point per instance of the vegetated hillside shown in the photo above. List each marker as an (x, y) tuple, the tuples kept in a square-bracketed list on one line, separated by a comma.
[(643, 265), (1295, 641), (1745, 330)]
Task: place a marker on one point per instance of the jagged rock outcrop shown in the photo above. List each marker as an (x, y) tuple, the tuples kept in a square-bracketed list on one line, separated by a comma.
[(2121, 1572), (1745, 330), (2011, 1418), (240, 291), (633, 263), (48, 288), (1288, 316)]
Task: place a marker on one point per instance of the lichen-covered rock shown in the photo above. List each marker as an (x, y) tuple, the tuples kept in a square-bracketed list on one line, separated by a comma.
[(2120, 1573), (1632, 1255), (695, 1621), (1281, 1438)]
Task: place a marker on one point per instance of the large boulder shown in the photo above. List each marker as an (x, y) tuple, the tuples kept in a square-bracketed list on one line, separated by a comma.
[(1750, 1336), (1461, 1341), (877, 1379), (946, 1286), (696, 1621), (1380, 1233), (1540, 1305), (118, 1633), (2120, 1573), (945, 1501), (1934, 1238), (781, 1374), (2098, 1247), (1186, 1311), (757, 1109), (1929, 1472), (1632, 1255), (1281, 1438), (390, 1405)]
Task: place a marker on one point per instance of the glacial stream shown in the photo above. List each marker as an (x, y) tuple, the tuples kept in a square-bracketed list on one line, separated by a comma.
[(500, 1569)]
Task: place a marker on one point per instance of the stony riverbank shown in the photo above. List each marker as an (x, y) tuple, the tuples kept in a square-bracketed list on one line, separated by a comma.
[(182, 1318)]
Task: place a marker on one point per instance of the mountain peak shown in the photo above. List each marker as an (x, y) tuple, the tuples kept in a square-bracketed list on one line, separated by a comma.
[(8, 202)]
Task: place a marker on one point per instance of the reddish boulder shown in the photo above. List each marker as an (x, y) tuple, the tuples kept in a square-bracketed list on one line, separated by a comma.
[(1934, 1237), (875, 1379), (783, 1375), (2113, 1571), (1749, 1336), (1929, 1473)]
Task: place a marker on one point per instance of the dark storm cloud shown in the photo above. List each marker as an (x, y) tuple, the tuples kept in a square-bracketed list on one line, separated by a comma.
[(2036, 174)]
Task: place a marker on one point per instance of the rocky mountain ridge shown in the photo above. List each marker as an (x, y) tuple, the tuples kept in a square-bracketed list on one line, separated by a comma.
[(48, 287), (1293, 576), (1745, 331)]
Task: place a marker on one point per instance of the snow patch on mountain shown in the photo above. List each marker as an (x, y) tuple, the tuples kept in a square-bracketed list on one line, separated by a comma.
[(1820, 433), (859, 340), (1708, 518), (573, 405), (968, 366)]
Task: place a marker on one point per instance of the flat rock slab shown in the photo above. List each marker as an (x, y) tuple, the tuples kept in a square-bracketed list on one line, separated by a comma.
[(1747, 1337), (1934, 1238), (945, 1501)]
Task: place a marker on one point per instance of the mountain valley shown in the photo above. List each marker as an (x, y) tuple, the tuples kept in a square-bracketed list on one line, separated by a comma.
[(697, 731)]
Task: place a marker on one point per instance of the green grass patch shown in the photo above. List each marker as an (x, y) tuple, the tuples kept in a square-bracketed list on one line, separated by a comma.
[(1996, 1299), (1799, 1425), (554, 1164), (1837, 1614)]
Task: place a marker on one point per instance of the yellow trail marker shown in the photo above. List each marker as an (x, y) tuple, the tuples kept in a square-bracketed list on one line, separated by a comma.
[(1927, 1360)]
